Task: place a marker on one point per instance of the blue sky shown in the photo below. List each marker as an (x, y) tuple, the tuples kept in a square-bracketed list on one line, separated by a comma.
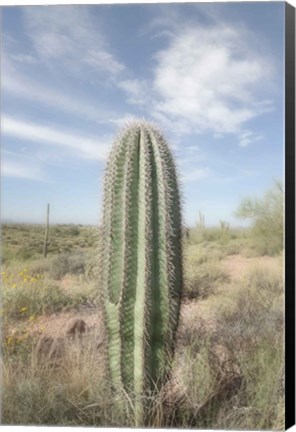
[(209, 75)]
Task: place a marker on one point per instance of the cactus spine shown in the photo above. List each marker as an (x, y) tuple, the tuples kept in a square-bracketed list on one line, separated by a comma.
[(142, 262)]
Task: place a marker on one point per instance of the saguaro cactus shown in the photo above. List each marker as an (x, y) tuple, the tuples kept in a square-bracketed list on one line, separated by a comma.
[(142, 262), (46, 243)]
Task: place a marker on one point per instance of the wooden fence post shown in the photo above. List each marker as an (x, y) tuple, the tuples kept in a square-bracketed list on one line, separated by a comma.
[(46, 243)]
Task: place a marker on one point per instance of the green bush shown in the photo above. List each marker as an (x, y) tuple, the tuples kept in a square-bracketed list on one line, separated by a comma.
[(25, 253), (27, 295), (203, 280), (7, 254), (267, 219), (259, 306), (65, 263), (202, 271), (73, 230), (40, 266), (231, 360)]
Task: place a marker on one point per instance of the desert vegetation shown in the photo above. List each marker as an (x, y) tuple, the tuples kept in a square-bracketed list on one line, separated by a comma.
[(228, 367)]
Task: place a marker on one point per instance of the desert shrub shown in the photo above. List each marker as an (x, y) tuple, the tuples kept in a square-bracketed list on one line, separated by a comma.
[(239, 245), (257, 312), (260, 402), (66, 393), (66, 263), (202, 271), (14, 241), (216, 234), (207, 372), (25, 253), (90, 242), (202, 281), (92, 269), (266, 215), (7, 254), (70, 390), (219, 235), (25, 295), (199, 377), (73, 230), (251, 327), (56, 230), (196, 255), (40, 266), (230, 354), (244, 321), (204, 252)]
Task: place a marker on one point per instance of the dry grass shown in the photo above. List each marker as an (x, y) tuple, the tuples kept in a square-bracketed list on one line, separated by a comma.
[(203, 272), (26, 295), (63, 386)]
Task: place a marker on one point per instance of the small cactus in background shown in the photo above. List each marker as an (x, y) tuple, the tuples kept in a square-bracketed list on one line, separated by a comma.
[(142, 262)]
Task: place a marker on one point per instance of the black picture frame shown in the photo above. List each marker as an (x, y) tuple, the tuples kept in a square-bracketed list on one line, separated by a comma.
[(290, 214)]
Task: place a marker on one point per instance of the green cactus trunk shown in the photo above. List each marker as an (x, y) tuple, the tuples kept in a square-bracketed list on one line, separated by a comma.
[(142, 262)]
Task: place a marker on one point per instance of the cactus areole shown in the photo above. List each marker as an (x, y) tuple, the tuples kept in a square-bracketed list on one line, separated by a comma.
[(142, 261)]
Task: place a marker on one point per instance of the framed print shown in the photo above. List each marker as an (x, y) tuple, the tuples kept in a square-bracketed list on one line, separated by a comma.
[(148, 215), (290, 214)]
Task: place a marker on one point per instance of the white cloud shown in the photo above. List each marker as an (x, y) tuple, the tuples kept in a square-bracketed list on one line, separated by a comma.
[(67, 34), (209, 78), (24, 58), (122, 121), (196, 174), (11, 168), (190, 155), (82, 146), (247, 137), (137, 90), (206, 79), (20, 86), (103, 60)]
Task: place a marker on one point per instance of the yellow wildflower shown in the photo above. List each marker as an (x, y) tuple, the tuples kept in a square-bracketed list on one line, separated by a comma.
[(23, 309), (9, 340)]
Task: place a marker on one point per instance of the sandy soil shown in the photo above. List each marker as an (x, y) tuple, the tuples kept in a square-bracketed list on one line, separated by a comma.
[(237, 265), (59, 325)]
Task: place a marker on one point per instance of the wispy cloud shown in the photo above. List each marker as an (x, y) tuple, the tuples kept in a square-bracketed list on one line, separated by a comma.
[(208, 79), (67, 34), (121, 121), (14, 83), (25, 170), (82, 146), (191, 156), (247, 137), (196, 174), (65, 44), (137, 90), (23, 58)]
